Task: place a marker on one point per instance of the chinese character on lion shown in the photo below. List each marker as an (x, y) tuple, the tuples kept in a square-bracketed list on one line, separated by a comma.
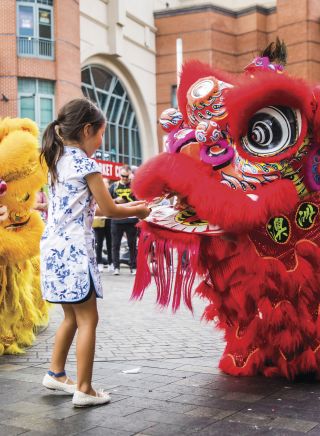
[(22, 310), (243, 160)]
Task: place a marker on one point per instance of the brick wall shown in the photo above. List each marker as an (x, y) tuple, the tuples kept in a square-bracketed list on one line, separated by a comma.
[(8, 62), (68, 67), (64, 69), (230, 40)]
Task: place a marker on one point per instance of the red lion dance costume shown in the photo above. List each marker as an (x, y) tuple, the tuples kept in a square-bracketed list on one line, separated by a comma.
[(243, 159)]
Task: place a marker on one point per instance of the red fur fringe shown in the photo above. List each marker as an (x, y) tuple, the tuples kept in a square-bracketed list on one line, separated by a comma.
[(262, 306), (181, 174)]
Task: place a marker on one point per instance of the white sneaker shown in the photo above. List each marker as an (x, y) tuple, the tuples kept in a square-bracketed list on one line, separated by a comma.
[(100, 267), (133, 272), (80, 399), (116, 272), (56, 385), (110, 268)]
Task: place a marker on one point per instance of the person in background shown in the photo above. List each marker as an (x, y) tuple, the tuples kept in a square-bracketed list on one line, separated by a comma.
[(133, 171), (121, 193), (108, 236), (102, 230), (42, 204), (127, 167), (98, 227)]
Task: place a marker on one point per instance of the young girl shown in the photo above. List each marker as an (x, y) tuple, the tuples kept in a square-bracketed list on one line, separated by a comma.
[(69, 273)]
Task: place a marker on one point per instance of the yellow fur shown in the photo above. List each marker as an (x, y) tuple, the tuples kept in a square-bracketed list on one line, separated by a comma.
[(22, 310)]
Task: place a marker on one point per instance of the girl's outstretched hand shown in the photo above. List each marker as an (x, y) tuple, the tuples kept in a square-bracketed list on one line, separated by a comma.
[(143, 211), (134, 203), (141, 208), (107, 206)]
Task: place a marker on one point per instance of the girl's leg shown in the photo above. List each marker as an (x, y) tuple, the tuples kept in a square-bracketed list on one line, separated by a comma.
[(87, 319), (63, 340)]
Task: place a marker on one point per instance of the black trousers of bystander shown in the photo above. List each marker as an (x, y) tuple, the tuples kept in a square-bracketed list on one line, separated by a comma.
[(117, 232)]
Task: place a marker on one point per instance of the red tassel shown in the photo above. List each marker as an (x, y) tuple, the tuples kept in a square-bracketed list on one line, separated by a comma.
[(143, 277), (307, 361), (165, 249)]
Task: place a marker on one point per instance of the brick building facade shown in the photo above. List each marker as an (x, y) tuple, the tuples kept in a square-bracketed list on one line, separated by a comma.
[(54, 50), (45, 43), (229, 39)]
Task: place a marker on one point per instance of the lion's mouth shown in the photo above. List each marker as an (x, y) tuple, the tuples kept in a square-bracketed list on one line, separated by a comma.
[(17, 226)]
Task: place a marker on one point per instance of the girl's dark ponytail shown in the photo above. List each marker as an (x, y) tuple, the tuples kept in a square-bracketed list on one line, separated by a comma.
[(52, 149), (72, 118)]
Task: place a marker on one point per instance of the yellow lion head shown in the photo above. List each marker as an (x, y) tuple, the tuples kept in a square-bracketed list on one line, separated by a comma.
[(23, 175)]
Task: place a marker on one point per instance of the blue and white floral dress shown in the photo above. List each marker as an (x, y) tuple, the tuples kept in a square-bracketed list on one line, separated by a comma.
[(67, 254)]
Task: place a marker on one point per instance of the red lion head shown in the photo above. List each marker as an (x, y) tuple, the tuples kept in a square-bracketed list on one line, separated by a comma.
[(242, 159)]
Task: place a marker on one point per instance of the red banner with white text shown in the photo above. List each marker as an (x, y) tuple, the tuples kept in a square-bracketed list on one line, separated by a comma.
[(110, 170)]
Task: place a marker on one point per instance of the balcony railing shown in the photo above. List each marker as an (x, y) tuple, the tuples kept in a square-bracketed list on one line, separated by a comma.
[(35, 47)]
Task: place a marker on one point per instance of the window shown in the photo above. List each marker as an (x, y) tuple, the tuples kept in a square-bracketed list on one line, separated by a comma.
[(174, 102), (35, 28), (36, 101), (122, 139)]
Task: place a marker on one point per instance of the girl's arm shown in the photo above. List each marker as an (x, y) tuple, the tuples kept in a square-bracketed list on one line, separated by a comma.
[(107, 207)]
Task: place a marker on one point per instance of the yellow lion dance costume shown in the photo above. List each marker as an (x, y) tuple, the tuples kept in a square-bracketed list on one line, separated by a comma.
[(22, 310)]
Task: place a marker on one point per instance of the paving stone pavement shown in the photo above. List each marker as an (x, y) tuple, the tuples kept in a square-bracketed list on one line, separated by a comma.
[(178, 389)]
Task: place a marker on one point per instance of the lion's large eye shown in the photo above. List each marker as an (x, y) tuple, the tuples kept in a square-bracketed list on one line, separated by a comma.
[(272, 130)]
